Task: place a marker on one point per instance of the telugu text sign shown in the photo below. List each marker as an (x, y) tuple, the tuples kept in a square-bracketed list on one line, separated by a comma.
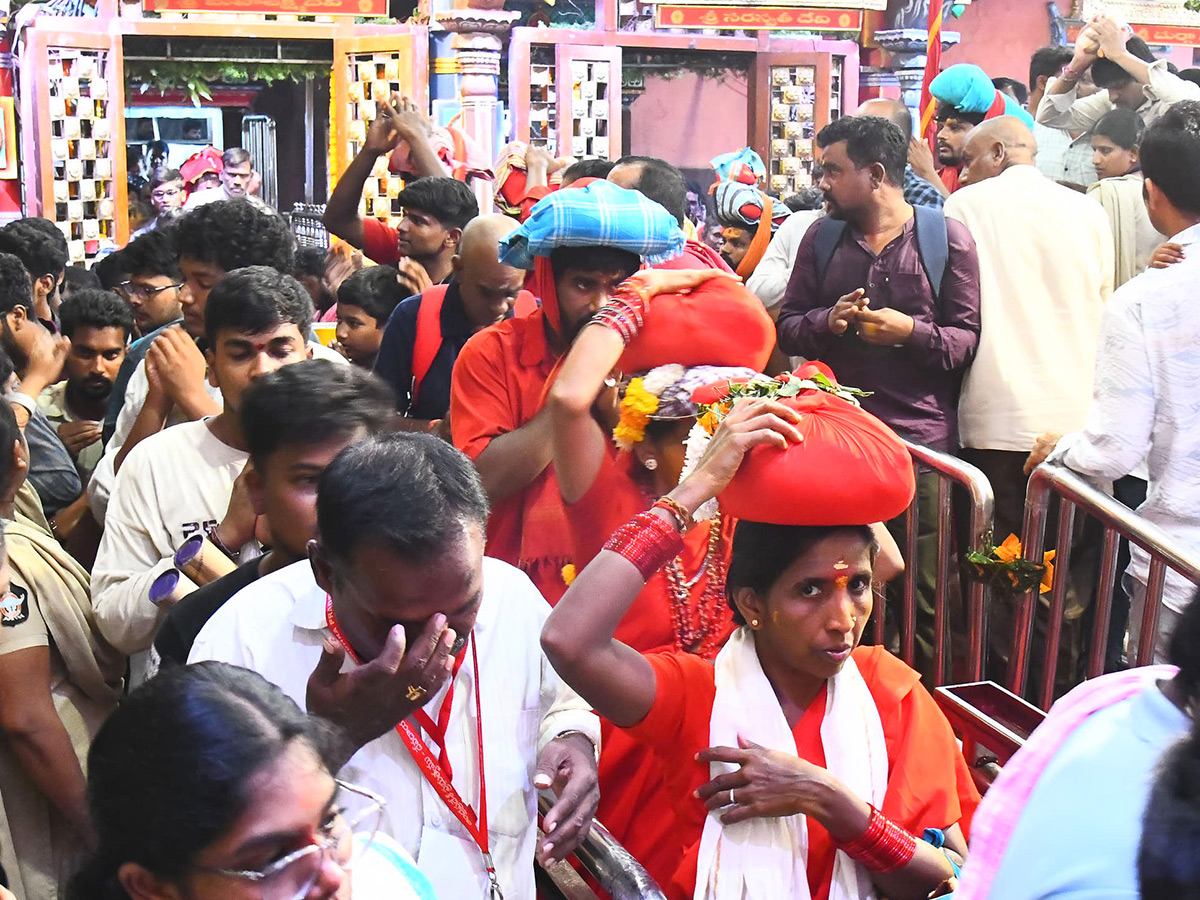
[(774, 18)]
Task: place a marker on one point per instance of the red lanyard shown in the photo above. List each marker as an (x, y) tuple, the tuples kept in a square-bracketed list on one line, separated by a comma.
[(436, 773)]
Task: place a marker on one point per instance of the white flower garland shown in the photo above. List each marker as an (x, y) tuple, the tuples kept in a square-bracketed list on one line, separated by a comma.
[(694, 449)]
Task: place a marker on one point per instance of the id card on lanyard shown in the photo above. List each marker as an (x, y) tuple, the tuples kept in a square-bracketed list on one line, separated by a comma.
[(437, 770)]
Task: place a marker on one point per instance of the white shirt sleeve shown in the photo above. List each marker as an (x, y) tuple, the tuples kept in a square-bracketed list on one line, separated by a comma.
[(773, 272), (1070, 112), (1170, 88), (100, 487), (1121, 418)]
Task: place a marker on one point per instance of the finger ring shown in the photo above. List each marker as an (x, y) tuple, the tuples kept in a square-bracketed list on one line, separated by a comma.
[(415, 692), (731, 800)]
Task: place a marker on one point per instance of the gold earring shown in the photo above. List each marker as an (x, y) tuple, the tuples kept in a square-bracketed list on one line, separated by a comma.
[(651, 464), (754, 623)]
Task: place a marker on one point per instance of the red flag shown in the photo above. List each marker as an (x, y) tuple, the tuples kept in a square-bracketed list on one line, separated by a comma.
[(933, 65)]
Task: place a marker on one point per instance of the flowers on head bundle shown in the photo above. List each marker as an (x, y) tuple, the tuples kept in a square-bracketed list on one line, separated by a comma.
[(664, 392), (715, 400)]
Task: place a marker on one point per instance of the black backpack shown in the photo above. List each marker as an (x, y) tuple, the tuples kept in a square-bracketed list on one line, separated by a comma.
[(933, 244)]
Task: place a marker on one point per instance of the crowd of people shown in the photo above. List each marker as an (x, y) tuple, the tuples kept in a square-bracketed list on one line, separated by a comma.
[(587, 498)]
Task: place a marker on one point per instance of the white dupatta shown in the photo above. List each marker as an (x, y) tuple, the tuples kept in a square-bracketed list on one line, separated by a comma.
[(767, 858)]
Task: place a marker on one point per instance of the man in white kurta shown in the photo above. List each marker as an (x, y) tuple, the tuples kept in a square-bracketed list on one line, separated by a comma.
[(396, 576), (1045, 272), (276, 627)]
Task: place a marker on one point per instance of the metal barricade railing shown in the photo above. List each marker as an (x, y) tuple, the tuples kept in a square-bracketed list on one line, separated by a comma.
[(1050, 481), (258, 138), (308, 227), (950, 471), (617, 873)]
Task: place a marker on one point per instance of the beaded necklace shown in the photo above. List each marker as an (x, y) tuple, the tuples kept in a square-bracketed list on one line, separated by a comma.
[(694, 632)]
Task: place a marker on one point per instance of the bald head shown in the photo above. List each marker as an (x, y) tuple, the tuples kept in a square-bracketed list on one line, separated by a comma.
[(483, 235), (487, 287), (996, 145), (893, 110)]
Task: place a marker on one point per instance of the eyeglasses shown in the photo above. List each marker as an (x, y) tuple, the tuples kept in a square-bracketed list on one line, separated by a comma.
[(163, 195), (146, 292), (345, 835)]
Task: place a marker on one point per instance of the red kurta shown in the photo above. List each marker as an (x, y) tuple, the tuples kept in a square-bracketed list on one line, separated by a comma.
[(929, 784), (634, 802), (497, 386)]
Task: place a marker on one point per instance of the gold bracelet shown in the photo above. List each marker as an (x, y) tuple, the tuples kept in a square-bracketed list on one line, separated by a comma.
[(683, 518)]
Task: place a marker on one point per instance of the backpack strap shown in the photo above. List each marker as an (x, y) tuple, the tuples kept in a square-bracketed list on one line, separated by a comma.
[(829, 233), (429, 336), (933, 245)]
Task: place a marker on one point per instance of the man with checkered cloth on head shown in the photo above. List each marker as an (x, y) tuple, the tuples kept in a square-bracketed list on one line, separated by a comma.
[(580, 244)]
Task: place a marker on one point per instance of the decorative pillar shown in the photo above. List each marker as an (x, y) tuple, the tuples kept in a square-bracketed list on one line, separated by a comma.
[(477, 41), (907, 47)]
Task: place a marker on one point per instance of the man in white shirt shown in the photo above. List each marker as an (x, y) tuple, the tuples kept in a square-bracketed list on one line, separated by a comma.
[(1064, 156), (211, 241), (236, 175), (1146, 404), (182, 481), (1126, 73), (428, 657), (773, 272), (1045, 272)]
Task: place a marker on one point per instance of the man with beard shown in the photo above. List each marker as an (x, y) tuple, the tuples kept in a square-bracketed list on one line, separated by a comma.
[(888, 296), (581, 244), (99, 325)]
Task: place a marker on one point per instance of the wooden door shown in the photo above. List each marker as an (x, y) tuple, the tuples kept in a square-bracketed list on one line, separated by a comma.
[(792, 97)]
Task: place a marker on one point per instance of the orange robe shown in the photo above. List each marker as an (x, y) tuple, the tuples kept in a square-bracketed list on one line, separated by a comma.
[(498, 385), (929, 784), (634, 802)]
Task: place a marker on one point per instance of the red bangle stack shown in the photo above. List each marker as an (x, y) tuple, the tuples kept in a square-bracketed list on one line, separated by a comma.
[(883, 847), (625, 309), (648, 541)]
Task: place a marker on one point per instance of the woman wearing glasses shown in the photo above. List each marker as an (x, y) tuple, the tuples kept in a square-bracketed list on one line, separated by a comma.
[(209, 783)]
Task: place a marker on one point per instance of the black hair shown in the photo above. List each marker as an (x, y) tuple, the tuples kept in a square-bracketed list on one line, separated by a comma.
[(1123, 127), (310, 403), (949, 111), (762, 553), (375, 289), (37, 249), (15, 287), (79, 278), (1048, 61), (1170, 155), (6, 369), (408, 492), (169, 771), (1002, 82), (94, 309), (661, 182), (1192, 75), (587, 168), (594, 259), (235, 156), (10, 432), (869, 140), (807, 198), (446, 199), (163, 175), (254, 299), (110, 269), (1169, 856), (233, 234), (1106, 73), (311, 261), (153, 253)]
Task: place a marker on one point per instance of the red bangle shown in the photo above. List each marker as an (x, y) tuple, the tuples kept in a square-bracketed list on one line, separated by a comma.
[(648, 541), (883, 847)]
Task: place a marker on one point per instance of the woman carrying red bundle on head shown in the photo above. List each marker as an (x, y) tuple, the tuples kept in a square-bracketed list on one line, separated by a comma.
[(799, 764)]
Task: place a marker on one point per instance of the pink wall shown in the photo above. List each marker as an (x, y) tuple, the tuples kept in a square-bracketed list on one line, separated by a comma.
[(688, 119), (1001, 35)]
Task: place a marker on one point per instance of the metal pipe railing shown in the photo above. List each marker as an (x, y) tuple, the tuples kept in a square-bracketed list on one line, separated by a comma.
[(1050, 481), (615, 870), (951, 471)]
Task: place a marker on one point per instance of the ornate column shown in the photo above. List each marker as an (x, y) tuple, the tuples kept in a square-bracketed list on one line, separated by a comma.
[(476, 43), (907, 47)]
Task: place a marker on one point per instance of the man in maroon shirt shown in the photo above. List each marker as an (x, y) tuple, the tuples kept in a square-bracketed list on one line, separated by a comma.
[(872, 312)]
